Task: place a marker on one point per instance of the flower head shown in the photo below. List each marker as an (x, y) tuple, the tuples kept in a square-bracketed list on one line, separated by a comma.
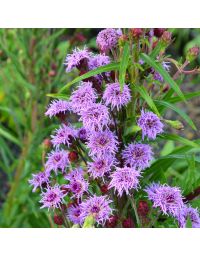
[(63, 135), (82, 134), (138, 155), (74, 214), (39, 179), (57, 160), (83, 97), (124, 179), (56, 107), (98, 207), (74, 60), (95, 117), (100, 166), (150, 125), (102, 143), (52, 198), (107, 39), (192, 214), (115, 97), (168, 199)]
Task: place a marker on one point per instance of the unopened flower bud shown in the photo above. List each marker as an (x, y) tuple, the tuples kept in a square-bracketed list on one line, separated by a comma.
[(158, 32), (166, 37), (128, 223), (47, 143), (73, 156), (52, 73), (104, 189), (58, 219), (192, 53), (143, 208), (112, 221), (136, 32), (175, 124), (122, 40)]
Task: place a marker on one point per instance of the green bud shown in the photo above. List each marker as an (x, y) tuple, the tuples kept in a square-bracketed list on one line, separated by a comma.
[(175, 124), (89, 222), (192, 53)]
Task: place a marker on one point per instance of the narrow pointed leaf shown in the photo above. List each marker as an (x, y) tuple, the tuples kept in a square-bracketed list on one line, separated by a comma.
[(123, 65)]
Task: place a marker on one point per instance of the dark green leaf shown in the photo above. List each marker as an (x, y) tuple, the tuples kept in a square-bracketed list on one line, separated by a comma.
[(123, 65)]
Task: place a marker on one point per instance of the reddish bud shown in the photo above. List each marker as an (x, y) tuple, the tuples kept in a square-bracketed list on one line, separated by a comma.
[(166, 37), (104, 189), (58, 219), (154, 44), (53, 66), (52, 73), (128, 223), (143, 208), (136, 32), (158, 32), (73, 156), (47, 143), (192, 53), (112, 221)]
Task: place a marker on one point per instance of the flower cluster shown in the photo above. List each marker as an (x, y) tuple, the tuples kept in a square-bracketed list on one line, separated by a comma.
[(99, 160)]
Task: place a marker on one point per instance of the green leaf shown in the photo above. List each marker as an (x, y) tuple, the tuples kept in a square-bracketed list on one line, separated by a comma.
[(158, 67), (156, 50), (188, 223), (123, 65), (89, 222), (59, 96), (176, 138), (8, 136), (102, 69), (187, 96), (176, 109), (143, 92)]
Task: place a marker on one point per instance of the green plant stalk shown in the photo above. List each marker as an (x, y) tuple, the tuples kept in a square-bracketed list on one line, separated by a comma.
[(133, 203)]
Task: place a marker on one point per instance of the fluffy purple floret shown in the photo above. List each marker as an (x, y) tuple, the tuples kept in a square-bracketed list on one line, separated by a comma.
[(168, 199), (74, 60), (95, 117), (150, 125), (63, 135), (102, 143), (74, 214), (124, 180), (100, 166), (75, 174), (107, 39), (158, 77), (83, 97), (39, 179), (115, 97), (57, 107), (52, 198), (82, 134), (192, 214), (98, 207), (57, 160), (138, 155)]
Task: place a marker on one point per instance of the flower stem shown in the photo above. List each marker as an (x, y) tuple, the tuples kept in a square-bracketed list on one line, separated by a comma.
[(135, 211)]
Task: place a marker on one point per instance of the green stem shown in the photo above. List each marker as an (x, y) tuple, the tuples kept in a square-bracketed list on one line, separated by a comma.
[(135, 211)]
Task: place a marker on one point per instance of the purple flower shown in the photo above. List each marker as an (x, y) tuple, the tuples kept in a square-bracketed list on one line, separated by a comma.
[(138, 155), (95, 117), (150, 125), (115, 97), (98, 207), (83, 97), (64, 135), (52, 198), (192, 214), (158, 77), (107, 39), (78, 185), (38, 180), (124, 179), (76, 58), (57, 160), (102, 143), (166, 65), (56, 107), (100, 166), (168, 199), (74, 214), (82, 134)]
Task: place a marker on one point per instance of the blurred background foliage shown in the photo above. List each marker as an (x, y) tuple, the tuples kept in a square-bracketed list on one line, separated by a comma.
[(31, 66)]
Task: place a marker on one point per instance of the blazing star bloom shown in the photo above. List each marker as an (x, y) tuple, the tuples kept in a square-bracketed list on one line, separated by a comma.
[(107, 39), (168, 199), (98, 207), (100, 166), (82, 134), (52, 198), (83, 97), (192, 214), (115, 97), (38, 180), (150, 125), (57, 160), (78, 185), (124, 179), (102, 143), (56, 107), (64, 135), (74, 60), (95, 117), (74, 214), (138, 155)]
